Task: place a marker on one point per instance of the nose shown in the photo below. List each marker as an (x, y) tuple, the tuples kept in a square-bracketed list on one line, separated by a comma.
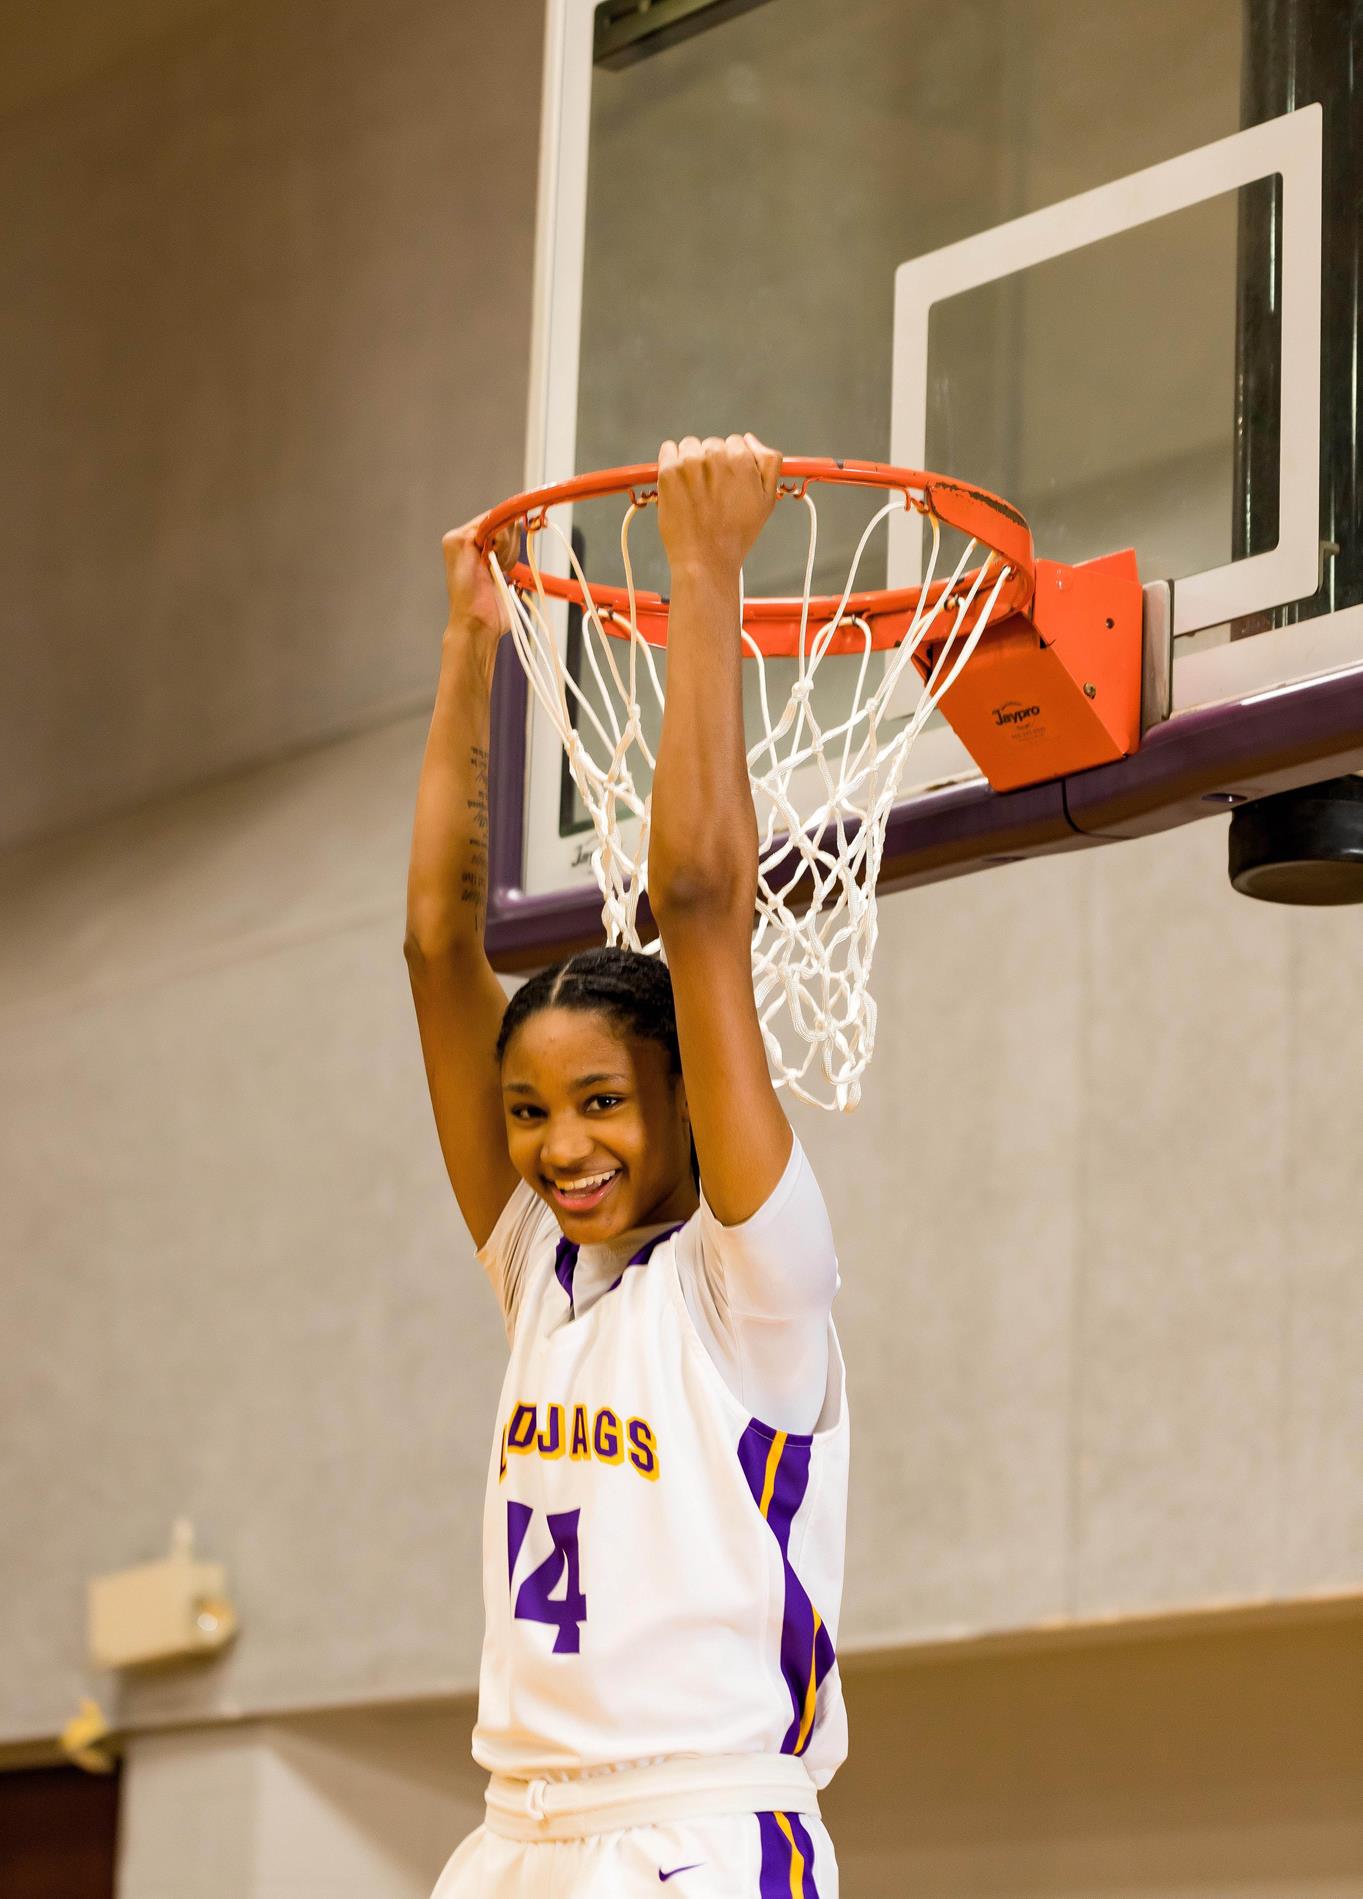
[(567, 1144)]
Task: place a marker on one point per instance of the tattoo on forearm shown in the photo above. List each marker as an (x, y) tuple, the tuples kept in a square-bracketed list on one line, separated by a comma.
[(473, 877), (477, 804), (473, 885)]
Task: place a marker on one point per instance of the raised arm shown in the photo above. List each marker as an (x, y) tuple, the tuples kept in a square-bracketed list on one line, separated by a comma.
[(459, 1001), (713, 499)]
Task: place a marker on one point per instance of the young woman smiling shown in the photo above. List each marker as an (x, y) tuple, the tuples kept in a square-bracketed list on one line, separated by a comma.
[(664, 1524)]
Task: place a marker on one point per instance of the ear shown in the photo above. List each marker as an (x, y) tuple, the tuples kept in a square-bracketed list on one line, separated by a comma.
[(683, 1106)]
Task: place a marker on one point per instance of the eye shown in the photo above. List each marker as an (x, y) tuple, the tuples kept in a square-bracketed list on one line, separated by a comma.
[(525, 1111), (604, 1103)]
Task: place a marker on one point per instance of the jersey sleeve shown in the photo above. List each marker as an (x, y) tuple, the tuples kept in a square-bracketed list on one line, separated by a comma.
[(524, 1228), (761, 1294)]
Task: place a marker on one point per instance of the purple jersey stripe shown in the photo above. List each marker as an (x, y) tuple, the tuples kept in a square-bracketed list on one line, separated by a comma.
[(774, 1876), (776, 1467), (566, 1252), (787, 1864), (824, 1655), (809, 1888), (797, 1660), (807, 1658), (565, 1265), (754, 1448), (788, 1492), (645, 1252)]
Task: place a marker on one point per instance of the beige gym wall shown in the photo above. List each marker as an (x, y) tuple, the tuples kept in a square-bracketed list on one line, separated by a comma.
[(266, 308), (265, 290)]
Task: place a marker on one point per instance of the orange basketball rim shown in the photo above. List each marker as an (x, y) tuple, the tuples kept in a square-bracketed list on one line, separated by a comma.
[(776, 625)]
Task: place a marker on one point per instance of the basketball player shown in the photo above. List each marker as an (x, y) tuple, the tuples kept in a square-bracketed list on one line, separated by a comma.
[(663, 1532)]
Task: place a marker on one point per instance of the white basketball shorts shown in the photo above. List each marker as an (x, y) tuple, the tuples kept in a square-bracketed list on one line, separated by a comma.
[(725, 1856), (708, 1829)]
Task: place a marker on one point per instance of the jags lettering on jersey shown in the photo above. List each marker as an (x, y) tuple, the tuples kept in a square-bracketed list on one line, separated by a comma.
[(580, 1434)]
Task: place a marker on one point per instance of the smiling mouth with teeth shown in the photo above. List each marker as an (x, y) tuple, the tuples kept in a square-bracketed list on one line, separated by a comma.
[(585, 1191)]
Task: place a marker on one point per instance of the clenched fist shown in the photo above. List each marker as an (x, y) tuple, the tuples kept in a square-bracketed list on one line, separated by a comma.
[(475, 605), (714, 498)]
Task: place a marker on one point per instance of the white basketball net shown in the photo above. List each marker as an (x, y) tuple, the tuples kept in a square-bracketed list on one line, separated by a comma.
[(823, 791)]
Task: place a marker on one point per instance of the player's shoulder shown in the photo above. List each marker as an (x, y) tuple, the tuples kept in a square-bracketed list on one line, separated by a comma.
[(793, 1211), (782, 1260)]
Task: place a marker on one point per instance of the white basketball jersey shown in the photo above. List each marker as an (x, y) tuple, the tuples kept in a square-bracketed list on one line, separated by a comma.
[(662, 1573)]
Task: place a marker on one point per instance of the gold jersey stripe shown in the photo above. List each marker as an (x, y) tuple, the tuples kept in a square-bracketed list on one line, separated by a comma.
[(778, 1444), (797, 1859)]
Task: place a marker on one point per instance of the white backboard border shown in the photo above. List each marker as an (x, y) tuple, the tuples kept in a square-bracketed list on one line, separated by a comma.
[(1289, 147)]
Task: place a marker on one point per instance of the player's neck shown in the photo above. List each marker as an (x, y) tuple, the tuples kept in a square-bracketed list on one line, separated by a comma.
[(674, 1210), (680, 1204)]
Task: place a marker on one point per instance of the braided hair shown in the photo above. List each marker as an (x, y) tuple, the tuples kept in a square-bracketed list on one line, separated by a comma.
[(632, 990)]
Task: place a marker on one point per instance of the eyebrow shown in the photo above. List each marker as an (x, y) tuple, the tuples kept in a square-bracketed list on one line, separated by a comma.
[(583, 1081)]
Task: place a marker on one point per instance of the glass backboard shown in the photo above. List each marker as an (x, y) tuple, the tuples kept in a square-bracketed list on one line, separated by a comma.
[(1102, 260)]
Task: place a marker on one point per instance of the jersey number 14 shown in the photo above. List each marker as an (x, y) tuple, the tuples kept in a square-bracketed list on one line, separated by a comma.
[(535, 1600)]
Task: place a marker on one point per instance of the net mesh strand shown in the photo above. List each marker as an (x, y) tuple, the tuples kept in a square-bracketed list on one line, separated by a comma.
[(823, 792)]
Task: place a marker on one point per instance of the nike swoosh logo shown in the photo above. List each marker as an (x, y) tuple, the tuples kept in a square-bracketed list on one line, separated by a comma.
[(680, 1869)]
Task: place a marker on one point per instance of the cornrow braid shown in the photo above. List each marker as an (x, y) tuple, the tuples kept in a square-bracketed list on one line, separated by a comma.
[(634, 990)]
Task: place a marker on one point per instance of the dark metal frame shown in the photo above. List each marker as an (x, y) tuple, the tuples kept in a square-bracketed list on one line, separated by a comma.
[(630, 30)]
